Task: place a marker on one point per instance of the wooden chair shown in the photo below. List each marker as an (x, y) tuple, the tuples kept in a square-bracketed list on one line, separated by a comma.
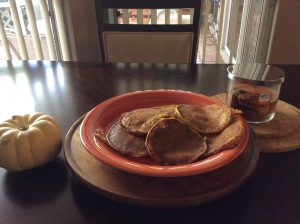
[(121, 41)]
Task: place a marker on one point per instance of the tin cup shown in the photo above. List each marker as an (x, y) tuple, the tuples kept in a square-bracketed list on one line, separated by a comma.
[(254, 89)]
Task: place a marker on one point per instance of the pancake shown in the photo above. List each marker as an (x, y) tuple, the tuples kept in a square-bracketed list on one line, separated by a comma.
[(204, 119), (125, 143), (170, 142), (139, 121), (227, 139), (100, 136)]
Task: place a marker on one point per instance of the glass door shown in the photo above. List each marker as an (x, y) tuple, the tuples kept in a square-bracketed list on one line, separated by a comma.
[(233, 19), (247, 30)]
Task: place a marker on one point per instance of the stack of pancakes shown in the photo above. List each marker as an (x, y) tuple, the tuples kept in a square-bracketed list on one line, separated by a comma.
[(174, 134)]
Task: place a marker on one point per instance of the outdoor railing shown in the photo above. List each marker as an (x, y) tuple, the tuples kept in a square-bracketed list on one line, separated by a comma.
[(31, 23), (18, 19), (212, 19)]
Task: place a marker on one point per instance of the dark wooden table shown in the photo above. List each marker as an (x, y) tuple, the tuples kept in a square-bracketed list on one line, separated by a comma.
[(52, 194)]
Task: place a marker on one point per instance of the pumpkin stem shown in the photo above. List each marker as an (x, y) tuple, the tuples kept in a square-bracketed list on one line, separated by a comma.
[(20, 121)]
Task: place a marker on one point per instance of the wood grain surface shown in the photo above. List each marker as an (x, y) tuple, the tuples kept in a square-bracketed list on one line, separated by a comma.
[(157, 191), (66, 90), (282, 133)]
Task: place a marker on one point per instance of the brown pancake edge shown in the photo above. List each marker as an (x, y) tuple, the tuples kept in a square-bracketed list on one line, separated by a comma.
[(204, 119), (227, 139), (126, 143), (140, 121), (170, 142)]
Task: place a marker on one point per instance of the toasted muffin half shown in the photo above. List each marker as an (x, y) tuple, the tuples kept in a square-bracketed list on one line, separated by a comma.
[(204, 119), (125, 143), (139, 121), (170, 142)]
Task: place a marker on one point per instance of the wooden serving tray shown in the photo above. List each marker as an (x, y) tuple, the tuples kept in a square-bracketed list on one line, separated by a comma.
[(157, 191), (281, 134)]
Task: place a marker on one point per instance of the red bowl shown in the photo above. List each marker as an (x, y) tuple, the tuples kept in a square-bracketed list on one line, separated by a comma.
[(106, 113)]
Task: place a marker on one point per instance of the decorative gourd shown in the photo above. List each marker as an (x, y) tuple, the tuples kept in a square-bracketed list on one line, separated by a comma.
[(28, 141)]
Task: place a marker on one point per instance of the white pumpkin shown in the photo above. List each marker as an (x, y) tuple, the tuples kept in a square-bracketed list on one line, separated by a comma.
[(28, 141)]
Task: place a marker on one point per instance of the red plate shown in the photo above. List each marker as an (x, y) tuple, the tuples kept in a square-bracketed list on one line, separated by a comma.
[(106, 113)]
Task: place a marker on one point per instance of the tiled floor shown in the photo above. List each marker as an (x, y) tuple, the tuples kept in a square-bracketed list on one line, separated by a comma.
[(210, 52)]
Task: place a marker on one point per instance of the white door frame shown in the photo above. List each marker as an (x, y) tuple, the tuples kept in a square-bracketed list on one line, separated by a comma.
[(223, 51), (262, 45)]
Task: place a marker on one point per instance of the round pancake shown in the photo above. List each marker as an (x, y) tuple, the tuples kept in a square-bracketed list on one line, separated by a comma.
[(205, 120), (227, 139), (125, 143), (139, 121), (170, 142), (286, 120)]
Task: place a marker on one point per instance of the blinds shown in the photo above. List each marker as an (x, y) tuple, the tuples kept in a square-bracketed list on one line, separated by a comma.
[(23, 23)]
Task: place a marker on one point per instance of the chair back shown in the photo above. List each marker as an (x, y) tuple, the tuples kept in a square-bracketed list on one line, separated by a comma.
[(158, 31)]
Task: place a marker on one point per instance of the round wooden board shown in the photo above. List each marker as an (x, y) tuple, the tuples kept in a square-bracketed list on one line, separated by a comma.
[(161, 192), (282, 134)]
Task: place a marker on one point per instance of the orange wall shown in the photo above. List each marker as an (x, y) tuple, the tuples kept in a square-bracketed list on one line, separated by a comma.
[(285, 48)]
